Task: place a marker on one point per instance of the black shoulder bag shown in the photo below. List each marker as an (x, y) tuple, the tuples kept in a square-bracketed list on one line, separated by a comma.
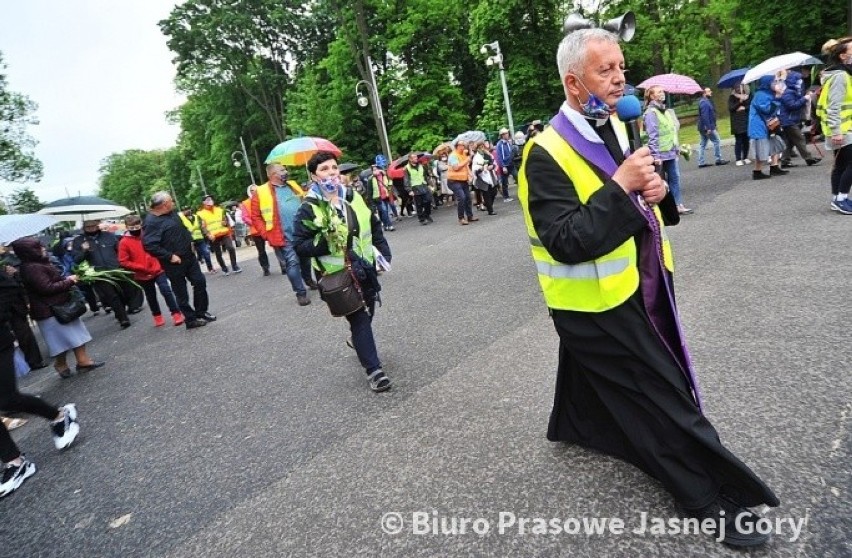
[(67, 312), (340, 290)]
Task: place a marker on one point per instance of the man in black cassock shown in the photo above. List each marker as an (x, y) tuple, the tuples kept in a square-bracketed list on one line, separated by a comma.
[(625, 384)]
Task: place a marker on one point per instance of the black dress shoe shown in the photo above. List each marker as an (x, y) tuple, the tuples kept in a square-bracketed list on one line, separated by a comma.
[(39, 365), (198, 322), (734, 516), (89, 367), (812, 161), (207, 317), (125, 324)]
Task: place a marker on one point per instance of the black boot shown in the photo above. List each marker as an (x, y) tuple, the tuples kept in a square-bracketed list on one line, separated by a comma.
[(776, 170), (727, 512), (757, 175)]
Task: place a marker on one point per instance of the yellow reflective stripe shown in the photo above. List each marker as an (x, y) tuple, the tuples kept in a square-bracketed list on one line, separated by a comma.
[(587, 270), (332, 260)]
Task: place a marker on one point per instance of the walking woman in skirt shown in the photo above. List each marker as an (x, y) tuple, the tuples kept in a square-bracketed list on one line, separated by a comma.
[(45, 286)]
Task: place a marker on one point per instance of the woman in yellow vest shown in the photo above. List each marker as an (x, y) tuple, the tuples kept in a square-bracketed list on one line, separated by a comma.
[(662, 127), (330, 215), (596, 217), (834, 108)]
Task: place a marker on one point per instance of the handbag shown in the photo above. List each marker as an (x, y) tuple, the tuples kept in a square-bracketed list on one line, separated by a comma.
[(340, 290), (67, 312), (773, 124)]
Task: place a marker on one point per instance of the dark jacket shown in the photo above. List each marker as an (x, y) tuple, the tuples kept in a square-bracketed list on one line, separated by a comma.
[(102, 252), (165, 235), (739, 118), (44, 283), (792, 101), (706, 115)]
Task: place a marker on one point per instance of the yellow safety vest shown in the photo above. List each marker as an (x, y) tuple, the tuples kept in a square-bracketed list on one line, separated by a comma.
[(267, 202), (193, 227), (214, 221), (845, 108), (597, 285), (361, 244)]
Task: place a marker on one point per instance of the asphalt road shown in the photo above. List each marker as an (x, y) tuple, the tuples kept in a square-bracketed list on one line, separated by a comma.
[(258, 435)]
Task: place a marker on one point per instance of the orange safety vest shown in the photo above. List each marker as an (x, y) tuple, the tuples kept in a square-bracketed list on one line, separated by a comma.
[(460, 175), (245, 207)]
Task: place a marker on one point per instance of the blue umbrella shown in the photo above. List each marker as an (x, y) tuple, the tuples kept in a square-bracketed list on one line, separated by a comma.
[(733, 78)]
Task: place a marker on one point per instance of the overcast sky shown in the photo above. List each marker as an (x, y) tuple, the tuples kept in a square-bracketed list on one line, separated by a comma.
[(102, 76)]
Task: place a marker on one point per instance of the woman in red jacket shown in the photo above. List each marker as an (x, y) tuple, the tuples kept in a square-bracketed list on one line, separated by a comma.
[(147, 271)]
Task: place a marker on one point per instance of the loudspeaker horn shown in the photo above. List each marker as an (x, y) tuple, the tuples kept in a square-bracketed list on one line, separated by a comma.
[(575, 22), (624, 26)]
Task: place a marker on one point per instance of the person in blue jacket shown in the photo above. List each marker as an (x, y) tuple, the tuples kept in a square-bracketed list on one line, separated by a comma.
[(793, 106), (707, 129), (767, 145)]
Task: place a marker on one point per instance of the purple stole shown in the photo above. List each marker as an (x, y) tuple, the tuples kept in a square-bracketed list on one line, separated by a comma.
[(661, 310)]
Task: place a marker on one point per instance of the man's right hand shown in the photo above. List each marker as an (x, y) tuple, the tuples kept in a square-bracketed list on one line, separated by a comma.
[(85, 245), (637, 172), (73, 278), (175, 259)]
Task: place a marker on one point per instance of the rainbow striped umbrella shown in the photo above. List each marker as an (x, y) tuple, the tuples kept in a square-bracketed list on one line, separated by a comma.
[(297, 151)]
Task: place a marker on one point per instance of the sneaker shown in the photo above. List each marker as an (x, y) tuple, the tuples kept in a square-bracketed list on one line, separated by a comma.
[(266, 272), (65, 431), (462, 221), (238, 270), (813, 161), (703, 165), (508, 199), (159, 321), (684, 210), (177, 318), (844, 206), (378, 381), (390, 228), (740, 163), (15, 475), (207, 317), (226, 272), (303, 300), (212, 271), (349, 343), (721, 162), (747, 161), (196, 323)]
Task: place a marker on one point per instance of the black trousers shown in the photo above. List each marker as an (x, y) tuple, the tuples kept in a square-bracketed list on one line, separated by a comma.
[(23, 332), (178, 274), (228, 244), (262, 257), (424, 206), (113, 297), (841, 173), (488, 199), (13, 401)]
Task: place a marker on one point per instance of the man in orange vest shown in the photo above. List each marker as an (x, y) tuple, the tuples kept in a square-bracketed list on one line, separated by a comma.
[(254, 233), (273, 212), (218, 233)]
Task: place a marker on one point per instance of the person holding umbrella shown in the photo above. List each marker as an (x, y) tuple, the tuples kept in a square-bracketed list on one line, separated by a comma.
[(662, 127)]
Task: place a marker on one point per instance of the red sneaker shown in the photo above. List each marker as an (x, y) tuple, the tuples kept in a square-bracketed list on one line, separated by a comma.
[(159, 321), (177, 318)]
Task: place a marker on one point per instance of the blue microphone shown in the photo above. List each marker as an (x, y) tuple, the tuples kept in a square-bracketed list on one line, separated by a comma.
[(629, 110)]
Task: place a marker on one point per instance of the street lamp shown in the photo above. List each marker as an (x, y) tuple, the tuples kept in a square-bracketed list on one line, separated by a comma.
[(235, 159), (364, 102), (497, 58)]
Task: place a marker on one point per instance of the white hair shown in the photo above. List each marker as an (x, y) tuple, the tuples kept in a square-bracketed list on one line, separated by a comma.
[(159, 198), (571, 55)]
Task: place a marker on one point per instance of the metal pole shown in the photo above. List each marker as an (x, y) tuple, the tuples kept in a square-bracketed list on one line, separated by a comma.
[(201, 178), (174, 194), (378, 104), (245, 157), (505, 88)]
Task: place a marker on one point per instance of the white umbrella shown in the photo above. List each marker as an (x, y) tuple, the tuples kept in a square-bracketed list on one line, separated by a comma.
[(13, 227), (469, 136), (84, 208), (778, 63)]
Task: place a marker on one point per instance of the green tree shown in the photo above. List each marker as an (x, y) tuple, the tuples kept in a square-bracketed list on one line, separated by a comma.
[(130, 177), (24, 200), (17, 161)]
